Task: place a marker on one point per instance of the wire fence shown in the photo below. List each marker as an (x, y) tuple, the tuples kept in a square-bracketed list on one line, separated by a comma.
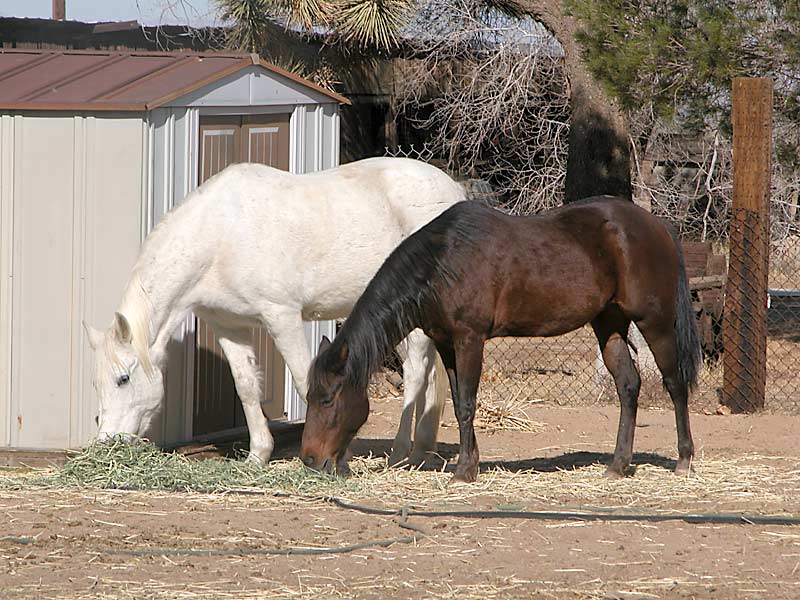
[(568, 371)]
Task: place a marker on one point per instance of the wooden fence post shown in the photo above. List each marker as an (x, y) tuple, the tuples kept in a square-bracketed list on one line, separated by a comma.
[(745, 320)]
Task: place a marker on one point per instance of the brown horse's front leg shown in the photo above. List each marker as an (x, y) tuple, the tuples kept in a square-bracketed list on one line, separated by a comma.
[(468, 362)]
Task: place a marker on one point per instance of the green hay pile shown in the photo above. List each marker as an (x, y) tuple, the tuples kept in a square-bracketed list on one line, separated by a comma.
[(139, 465)]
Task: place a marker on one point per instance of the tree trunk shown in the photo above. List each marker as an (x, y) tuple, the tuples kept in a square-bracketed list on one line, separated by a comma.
[(598, 161)]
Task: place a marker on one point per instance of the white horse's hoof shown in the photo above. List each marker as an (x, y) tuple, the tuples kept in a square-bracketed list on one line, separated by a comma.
[(258, 457), (420, 458), (398, 456)]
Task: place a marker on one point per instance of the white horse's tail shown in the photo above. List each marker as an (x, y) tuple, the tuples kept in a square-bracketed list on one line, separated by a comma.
[(479, 190)]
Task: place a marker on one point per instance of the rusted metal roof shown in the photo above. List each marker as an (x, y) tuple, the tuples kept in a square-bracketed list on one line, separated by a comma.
[(121, 81)]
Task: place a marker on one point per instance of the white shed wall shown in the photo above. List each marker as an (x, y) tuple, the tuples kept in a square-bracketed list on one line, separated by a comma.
[(78, 194), (71, 219)]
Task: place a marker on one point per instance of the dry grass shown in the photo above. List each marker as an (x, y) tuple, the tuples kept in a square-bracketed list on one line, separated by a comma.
[(496, 412), (764, 485), (400, 587), (749, 483)]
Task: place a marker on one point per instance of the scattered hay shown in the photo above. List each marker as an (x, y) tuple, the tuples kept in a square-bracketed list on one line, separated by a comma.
[(764, 485), (496, 414), (140, 465)]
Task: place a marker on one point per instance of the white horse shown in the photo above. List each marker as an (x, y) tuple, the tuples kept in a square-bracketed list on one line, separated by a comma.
[(255, 246)]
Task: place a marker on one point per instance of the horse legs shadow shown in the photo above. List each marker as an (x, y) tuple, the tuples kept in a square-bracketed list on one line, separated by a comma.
[(577, 460), (447, 452)]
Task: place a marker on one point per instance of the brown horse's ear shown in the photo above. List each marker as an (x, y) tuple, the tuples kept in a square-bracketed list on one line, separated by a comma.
[(323, 344), (344, 351)]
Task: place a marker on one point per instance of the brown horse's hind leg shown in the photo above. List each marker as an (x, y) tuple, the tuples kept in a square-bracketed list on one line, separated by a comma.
[(611, 329), (663, 344)]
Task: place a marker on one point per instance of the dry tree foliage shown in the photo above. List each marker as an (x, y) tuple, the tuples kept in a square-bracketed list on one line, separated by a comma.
[(489, 88), (688, 179)]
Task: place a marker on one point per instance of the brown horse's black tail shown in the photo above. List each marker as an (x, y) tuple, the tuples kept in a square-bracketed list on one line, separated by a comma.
[(690, 354)]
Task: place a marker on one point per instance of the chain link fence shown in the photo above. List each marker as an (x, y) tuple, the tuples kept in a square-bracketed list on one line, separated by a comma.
[(568, 370), (783, 327)]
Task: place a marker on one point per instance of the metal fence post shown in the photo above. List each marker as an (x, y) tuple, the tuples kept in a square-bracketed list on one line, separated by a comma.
[(745, 318)]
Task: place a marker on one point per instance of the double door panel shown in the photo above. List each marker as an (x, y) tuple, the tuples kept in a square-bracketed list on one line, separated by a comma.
[(225, 141)]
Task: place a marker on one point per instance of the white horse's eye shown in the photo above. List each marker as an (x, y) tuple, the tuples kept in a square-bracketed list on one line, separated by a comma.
[(123, 379)]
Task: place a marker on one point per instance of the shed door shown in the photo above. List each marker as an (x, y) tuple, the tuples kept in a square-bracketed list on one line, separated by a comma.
[(224, 141)]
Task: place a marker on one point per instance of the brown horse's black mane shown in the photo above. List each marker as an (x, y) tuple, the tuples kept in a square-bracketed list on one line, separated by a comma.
[(392, 304)]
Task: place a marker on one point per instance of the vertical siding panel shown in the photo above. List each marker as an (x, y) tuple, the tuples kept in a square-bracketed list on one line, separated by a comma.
[(319, 136), (178, 369), (7, 170), (161, 164), (81, 185), (166, 167), (329, 142), (309, 141), (116, 180), (16, 245), (192, 178), (43, 270), (297, 126)]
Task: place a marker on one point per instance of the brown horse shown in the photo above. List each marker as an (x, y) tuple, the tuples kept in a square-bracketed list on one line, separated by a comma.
[(475, 273)]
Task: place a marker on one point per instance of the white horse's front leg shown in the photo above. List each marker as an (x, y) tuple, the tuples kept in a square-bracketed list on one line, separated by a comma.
[(401, 447), (421, 390), (286, 328), (247, 377)]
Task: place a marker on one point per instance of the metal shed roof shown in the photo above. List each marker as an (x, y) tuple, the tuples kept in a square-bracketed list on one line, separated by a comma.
[(120, 81)]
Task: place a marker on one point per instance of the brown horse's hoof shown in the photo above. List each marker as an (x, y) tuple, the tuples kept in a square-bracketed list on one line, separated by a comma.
[(684, 470), (461, 478), (613, 472)]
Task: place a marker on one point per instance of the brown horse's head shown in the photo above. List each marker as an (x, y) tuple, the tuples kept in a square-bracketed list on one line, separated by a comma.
[(336, 411)]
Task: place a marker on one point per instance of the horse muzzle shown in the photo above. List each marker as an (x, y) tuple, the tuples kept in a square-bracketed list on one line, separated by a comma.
[(327, 465)]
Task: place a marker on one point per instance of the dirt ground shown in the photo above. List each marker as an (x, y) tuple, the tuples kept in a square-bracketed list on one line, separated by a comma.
[(64, 544)]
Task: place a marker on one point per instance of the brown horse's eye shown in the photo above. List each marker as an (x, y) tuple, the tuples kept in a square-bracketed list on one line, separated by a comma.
[(326, 401)]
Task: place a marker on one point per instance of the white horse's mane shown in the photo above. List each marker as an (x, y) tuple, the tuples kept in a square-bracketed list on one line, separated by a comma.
[(136, 305), (136, 309)]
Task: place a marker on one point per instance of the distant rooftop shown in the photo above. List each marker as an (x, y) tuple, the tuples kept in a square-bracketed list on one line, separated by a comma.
[(120, 81)]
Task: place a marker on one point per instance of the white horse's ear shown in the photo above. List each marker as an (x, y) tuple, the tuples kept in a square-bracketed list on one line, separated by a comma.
[(95, 336), (122, 328), (323, 344)]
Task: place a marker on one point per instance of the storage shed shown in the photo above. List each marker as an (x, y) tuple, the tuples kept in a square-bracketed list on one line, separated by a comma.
[(95, 147)]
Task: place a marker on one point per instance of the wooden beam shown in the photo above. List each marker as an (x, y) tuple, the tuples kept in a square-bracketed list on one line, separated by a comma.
[(745, 318), (59, 10)]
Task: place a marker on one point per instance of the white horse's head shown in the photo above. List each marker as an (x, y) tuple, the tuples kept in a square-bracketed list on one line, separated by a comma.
[(129, 387)]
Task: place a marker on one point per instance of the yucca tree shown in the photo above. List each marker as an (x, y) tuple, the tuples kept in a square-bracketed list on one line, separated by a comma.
[(366, 23)]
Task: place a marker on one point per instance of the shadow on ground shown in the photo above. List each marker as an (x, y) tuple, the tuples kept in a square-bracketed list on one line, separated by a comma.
[(288, 446), (562, 462)]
